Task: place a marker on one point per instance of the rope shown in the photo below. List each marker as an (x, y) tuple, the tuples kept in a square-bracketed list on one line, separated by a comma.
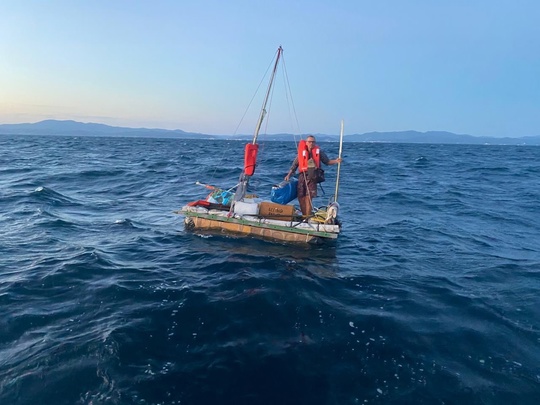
[(293, 118), (226, 152), (320, 215)]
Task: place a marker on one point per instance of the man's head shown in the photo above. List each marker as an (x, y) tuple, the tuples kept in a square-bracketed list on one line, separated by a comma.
[(310, 141)]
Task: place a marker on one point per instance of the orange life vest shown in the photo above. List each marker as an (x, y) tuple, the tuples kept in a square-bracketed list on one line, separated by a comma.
[(250, 158), (304, 156)]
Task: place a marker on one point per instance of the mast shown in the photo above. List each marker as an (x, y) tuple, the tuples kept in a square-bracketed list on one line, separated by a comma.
[(250, 152), (268, 91)]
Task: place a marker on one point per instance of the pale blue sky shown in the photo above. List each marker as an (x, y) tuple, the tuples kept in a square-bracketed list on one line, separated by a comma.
[(465, 66)]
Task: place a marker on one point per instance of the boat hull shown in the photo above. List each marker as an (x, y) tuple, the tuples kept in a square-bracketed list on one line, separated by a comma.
[(285, 231)]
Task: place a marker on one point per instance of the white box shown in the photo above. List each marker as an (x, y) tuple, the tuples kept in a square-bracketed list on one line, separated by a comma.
[(246, 208)]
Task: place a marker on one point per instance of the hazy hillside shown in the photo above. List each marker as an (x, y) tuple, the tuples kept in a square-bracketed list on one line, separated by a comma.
[(440, 137), (71, 128), (74, 128)]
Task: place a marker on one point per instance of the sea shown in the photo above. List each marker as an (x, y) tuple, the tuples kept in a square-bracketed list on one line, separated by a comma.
[(431, 294)]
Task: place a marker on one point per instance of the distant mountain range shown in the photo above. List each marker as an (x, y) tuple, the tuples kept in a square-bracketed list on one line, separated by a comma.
[(74, 128)]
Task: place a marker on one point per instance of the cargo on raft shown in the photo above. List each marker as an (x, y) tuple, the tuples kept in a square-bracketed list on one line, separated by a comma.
[(263, 219), (236, 212)]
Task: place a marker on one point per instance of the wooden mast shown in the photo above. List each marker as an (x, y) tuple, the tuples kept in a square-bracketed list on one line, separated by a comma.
[(250, 152), (268, 91)]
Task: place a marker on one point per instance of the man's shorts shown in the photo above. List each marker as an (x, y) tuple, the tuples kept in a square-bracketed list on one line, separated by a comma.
[(306, 188)]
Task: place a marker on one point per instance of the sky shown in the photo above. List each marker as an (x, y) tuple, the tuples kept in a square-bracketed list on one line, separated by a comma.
[(463, 66)]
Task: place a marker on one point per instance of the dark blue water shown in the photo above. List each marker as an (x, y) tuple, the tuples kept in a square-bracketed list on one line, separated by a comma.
[(430, 296)]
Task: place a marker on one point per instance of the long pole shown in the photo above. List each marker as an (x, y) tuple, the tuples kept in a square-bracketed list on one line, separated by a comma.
[(244, 178), (269, 89), (339, 164)]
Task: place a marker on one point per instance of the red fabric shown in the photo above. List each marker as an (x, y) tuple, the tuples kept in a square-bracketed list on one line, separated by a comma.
[(250, 158), (316, 155), (197, 203), (303, 156)]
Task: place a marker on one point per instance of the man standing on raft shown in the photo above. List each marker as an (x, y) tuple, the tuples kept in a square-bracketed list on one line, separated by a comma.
[(307, 161)]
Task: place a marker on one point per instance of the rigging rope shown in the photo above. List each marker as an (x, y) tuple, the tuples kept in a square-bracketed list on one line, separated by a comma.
[(226, 152), (291, 111)]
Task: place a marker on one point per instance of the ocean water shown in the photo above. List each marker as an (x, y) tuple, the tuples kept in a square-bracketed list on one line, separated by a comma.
[(430, 296)]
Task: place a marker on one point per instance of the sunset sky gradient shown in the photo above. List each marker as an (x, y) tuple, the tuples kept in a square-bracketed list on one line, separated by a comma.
[(470, 67)]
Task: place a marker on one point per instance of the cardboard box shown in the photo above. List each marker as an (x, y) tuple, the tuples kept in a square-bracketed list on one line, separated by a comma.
[(276, 211)]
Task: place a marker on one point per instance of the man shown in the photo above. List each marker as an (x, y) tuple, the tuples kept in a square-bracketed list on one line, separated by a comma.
[(308, 159)]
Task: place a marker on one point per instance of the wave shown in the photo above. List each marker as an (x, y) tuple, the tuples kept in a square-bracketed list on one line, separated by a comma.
[(48, 195), (431, 291)]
